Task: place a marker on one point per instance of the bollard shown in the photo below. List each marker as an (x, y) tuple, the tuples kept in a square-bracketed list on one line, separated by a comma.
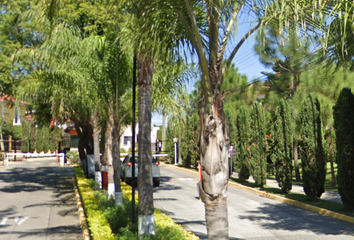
[(61, 160), (105, 176), (200, 171)]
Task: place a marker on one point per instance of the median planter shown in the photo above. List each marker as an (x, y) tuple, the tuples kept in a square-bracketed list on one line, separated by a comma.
[(98, 224)]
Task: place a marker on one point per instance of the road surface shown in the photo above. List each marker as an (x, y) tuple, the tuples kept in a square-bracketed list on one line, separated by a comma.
[(37, 201), (251, 216)]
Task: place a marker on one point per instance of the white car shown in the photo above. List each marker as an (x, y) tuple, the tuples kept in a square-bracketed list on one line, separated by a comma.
[(127, 168)]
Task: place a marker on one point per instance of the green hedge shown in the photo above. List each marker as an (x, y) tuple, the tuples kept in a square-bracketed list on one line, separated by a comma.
[(98, 224), (107, 221)]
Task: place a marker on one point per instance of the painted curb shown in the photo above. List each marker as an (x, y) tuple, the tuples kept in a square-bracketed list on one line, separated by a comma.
[(305, 206), (81, 212)]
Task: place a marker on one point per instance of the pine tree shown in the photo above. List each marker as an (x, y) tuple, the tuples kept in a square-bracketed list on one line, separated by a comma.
[(343, 114), (243, 144), (313, 158), (258, 145), (283, 135)]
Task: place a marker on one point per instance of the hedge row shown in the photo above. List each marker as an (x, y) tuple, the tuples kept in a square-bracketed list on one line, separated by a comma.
[(106, 221), (98, 224)]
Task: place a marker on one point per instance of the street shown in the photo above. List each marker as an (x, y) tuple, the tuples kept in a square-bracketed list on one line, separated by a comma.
[(250, 216), (37, 201)]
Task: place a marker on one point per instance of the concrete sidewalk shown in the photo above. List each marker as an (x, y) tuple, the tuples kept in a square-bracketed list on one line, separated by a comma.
[(37, 202), (329, 196)]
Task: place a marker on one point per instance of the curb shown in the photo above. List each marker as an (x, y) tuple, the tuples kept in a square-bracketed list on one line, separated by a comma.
[(305, 206), (81, 212)]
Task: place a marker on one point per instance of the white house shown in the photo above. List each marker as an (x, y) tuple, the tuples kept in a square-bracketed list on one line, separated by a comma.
[(127, 137)]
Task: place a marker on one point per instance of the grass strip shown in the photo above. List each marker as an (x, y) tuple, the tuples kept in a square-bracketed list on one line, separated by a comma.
[(98, 224), (121, 224), (107, 221)]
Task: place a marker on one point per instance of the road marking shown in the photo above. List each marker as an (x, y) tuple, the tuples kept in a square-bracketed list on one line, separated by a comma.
[(185, 179), (3, 221), (19, 221)]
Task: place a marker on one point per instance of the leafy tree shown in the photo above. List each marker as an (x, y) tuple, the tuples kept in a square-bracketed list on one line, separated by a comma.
[(258, 144), (343, 114), (283, 135), (313, 158), (289, 56), (243, 144), (15, 33)]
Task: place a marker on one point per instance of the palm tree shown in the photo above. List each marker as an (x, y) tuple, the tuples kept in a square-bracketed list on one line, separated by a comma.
[(209, 27)]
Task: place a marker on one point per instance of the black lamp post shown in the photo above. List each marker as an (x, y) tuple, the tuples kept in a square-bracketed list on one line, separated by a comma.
[(133, 142)]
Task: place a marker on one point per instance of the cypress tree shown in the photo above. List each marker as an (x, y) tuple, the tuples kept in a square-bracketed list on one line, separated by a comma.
[(258, 145), (283, 135), (343, 114), (313, 158), (243, 144)]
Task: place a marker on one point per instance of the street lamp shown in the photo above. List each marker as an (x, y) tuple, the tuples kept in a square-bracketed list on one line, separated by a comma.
[(175, 139)]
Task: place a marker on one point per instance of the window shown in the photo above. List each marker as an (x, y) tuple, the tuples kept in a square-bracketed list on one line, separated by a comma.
[(127, 139)]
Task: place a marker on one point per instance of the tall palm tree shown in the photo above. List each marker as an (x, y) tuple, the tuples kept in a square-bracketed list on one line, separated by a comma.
[(209, 26)]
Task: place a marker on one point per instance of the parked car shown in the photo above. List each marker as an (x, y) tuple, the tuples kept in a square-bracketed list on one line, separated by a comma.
[(127, 169)]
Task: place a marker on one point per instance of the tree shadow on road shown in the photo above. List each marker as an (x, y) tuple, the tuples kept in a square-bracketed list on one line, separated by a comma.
[(286, 217), (57, 181)]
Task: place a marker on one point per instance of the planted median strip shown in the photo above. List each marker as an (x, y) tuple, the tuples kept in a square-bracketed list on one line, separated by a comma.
[(106, 221)]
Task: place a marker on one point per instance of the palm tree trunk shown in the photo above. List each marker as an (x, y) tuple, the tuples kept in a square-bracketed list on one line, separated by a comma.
[(96, 138), (116, 141), (146, 220), (179, 144), (2, 147), (331, 158), (108, 155), (215, 165), (116, 165), (217, 219)]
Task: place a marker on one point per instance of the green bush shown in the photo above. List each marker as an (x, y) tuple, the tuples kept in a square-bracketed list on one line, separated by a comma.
[(283, 134), (243, 144), (98, 224), (313, 158), (120, 220), (102, 211), (73, 157), (343, 113), (258, 144)]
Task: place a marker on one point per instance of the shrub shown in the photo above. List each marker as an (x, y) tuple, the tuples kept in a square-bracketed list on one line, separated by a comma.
[(313, 158), (73, 157), (98, 224), (343, 113), (283, 134), (258, 144), (119, 217), (243, 144)]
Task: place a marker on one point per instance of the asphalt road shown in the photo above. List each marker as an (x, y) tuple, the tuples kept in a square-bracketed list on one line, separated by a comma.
[(37, 201), (250, 216)]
